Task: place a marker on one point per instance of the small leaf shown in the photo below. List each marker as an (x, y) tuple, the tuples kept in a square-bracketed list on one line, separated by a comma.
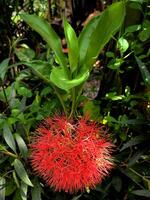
[(122, 44), (24, 91), (9, 137), (60, 79), (144, 193), (2, 188), (22, 145), (72, 44), (21, 172), (3, 68), (144, 71)]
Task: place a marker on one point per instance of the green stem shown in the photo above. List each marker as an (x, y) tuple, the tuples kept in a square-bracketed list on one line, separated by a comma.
[(60, 99), (73, 103), (8, 153)]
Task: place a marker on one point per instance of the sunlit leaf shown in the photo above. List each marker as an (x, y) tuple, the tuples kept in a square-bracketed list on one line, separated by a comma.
[(72, 44), (122, 44), (98, 32), (60, 79)]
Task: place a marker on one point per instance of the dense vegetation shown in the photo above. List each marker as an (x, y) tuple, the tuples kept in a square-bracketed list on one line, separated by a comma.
[(116, 95)]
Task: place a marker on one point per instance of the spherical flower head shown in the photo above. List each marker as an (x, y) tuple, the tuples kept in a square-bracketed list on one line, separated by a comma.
[(71, 155)]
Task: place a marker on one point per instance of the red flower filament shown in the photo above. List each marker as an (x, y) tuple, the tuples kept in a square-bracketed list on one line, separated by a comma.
[(71, 155)]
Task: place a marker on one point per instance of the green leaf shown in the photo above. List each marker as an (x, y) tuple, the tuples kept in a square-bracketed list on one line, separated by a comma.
[(133, 28), (92, 109), (117, 183), (21, 172), (24, 53), (7, 134), (10, 188), (2, 188), (17, 195), (144, 193), (3, 68), (72, 44), (22, 145), (48, 34), (36, 190), (101, 29), (115, 63), (84, 38), (23, 191), (122, 44), (60, 79), (40, 68), (134, 141), (144, 71)]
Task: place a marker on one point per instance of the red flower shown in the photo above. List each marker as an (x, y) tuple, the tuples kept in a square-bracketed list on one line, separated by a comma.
[(71, 155)]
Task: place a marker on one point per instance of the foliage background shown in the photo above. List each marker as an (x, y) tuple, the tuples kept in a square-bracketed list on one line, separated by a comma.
[(117, 94)]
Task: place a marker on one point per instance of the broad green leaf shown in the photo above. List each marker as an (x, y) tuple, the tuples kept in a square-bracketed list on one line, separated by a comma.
[(72, 44), (103, 29), (2, 188), (22, 145), (40, 68), (36, 190), (84, 38), (144, 71), (60, 79), (144, 193), (7, 134), (3, 68), (21, 172), (47, 33)]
